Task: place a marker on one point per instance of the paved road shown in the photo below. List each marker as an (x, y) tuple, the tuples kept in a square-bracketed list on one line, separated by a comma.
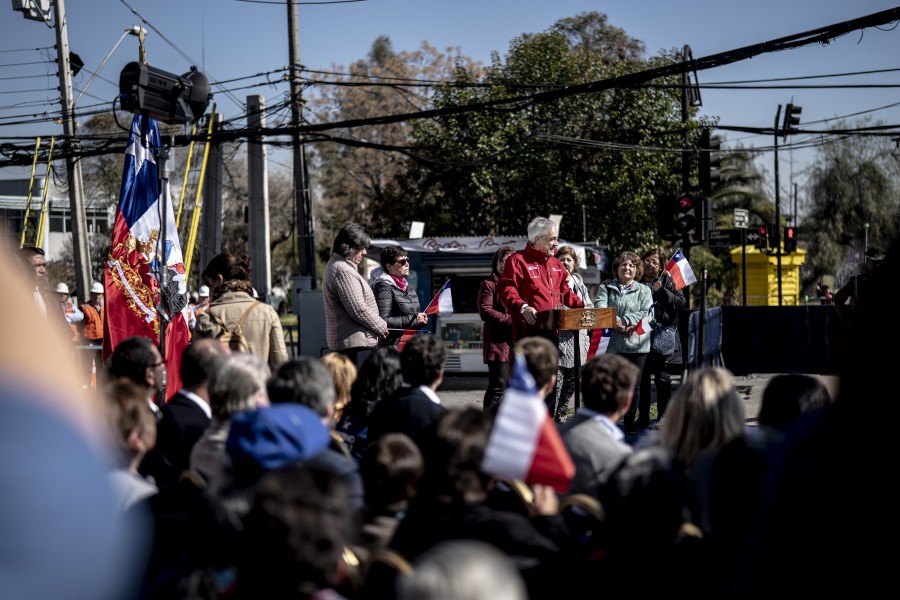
[(468, 390)]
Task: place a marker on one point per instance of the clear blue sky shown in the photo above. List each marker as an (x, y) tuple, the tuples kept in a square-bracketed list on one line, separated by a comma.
[(229, 39)]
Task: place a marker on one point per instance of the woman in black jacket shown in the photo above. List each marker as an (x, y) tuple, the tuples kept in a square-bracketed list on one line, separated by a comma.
[(398, 303)]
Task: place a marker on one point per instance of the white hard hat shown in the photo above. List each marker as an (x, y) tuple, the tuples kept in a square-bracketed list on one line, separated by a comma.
[(62, 288), (96, 288), (204, 291)]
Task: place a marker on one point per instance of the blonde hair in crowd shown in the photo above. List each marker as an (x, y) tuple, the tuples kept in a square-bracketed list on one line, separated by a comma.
[(343, 371), (706, 412)]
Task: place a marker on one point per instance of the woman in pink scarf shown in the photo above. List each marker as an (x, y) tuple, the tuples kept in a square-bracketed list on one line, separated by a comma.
[(398, 303)]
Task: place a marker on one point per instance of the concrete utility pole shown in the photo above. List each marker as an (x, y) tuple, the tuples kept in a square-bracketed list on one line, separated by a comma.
[(258, 192), (80, 243), (211, 218), (306, 237)]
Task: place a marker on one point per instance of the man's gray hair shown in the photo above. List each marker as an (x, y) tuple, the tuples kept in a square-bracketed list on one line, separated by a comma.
[(539, 226), (235, 384), (304, 380)]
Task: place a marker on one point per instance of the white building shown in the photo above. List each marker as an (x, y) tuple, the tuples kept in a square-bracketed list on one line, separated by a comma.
[(14, 198)]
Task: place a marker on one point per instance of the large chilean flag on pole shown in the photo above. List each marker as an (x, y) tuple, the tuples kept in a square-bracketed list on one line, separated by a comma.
[(525, 443), (136, 255)]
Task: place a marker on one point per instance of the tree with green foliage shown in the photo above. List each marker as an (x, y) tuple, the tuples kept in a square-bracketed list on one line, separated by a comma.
[(598, 159), (850, 184), (358, 172)]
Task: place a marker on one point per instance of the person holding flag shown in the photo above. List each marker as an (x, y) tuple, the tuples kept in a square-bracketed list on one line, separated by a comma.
[(144, 278), (668, 302), (397, 300), (630, 337)]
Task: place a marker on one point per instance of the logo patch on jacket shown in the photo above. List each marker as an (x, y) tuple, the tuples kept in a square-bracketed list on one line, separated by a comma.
[(534, 271)]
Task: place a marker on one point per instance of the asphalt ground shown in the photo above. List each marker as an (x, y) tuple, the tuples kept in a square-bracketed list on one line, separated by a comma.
[(467, 390)]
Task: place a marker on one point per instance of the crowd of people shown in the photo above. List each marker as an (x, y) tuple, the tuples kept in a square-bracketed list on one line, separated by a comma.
[(345, 476)]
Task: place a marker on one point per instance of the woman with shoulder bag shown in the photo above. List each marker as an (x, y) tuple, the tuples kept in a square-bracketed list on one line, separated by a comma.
[(228, 278), (665, 346)]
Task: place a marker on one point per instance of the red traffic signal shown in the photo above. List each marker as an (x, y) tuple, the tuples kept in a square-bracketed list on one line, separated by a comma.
[(762, 242), (685, 214), (790, 239)]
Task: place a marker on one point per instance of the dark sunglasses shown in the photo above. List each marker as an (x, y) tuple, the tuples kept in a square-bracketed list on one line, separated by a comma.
[(402, 261)]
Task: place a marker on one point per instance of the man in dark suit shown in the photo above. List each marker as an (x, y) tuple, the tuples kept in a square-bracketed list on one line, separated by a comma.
[(415, 406), (186, 416)]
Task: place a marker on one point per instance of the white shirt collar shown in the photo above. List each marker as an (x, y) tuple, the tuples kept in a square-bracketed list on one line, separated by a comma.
[(430, 393), (604, 422), (203, 404)]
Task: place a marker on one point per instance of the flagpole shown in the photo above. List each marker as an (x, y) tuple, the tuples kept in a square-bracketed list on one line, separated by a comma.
[(162, 276)]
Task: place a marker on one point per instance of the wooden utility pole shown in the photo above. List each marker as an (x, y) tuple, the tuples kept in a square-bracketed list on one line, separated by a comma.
[(303, 210), (80, 242)]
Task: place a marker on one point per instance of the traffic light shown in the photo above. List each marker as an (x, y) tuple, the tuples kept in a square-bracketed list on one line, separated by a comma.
[(790, 240), (791, 118), (685, 214), (762, 242), (708, 220), (710, 159)]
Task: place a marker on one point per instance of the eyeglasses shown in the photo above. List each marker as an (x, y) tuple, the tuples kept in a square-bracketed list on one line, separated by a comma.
[(651, 261), (402, 261)]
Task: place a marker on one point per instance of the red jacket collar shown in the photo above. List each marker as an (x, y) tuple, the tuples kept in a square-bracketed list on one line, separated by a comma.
[(532, 253)]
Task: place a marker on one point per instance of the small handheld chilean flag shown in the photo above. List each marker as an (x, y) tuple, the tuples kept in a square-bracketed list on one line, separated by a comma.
[(525, 443), (442, 303), (646, 324), (680, 271), (599, 342)]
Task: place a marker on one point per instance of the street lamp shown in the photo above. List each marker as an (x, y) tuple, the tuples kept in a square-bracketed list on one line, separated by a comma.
[(866, 239)]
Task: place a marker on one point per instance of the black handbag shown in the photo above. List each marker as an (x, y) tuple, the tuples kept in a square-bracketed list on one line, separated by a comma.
[(662, 340)]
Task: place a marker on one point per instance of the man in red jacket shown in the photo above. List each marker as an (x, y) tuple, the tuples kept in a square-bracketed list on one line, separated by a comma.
[(533, 280)]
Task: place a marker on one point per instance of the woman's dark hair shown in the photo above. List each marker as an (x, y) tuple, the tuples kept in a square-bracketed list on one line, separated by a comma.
[(391, 468), (349, 238), (454, 451), (659, 253), (501, 254), (229, 266), (235, 272), (379, 376), (391, 254)]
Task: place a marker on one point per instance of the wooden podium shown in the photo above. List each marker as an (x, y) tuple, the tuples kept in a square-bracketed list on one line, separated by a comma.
[(572, 319)]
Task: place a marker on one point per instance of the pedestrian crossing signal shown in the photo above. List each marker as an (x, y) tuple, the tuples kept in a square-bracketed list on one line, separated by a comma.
[(790, 239)]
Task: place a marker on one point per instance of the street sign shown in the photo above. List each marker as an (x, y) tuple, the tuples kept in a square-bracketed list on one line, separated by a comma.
[(725, 237), (741, 217)]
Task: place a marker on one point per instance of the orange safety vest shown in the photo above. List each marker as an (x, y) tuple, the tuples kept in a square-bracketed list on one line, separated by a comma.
[(93, 322)]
